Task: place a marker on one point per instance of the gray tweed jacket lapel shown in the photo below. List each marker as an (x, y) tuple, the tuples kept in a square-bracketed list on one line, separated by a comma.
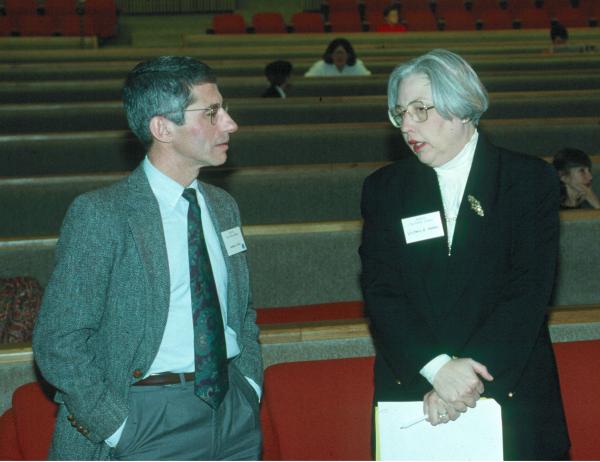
[(147, 230), (223, 218)]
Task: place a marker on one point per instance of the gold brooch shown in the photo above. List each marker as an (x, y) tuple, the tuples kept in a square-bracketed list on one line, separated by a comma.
[(475, 205)]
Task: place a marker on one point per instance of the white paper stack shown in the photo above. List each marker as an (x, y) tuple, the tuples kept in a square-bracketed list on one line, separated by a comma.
[(475, 435)]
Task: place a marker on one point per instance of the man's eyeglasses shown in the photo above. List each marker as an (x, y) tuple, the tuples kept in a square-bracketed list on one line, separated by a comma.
[(211, 111), (417, 110)]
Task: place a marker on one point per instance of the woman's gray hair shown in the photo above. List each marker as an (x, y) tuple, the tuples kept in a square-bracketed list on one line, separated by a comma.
[(455, 87)]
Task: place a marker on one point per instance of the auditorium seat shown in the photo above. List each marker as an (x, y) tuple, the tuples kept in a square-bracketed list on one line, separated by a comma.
[(18, 10), (318, 410), (231, 23), (345, 21), (479, 6), (268, 23), (458, 19), (26, 428), (374, 19), (66, 19), (533, 18), (328, 403), (442, 7), (419, 20), (35, 25), (570, 17), (578, 364), (321, 410), (5, 26), (495, 19), (330, 6), (377, 6), (415, 5), (76, 25), (103, 14), (306, 22)]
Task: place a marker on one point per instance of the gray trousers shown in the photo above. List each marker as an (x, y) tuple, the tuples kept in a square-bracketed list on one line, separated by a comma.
[(169, 422)]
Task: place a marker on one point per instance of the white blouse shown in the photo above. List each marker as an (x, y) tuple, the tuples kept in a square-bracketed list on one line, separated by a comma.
[(323, 69)]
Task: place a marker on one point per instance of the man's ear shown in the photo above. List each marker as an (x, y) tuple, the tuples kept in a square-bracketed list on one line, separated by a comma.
[(160, 128)]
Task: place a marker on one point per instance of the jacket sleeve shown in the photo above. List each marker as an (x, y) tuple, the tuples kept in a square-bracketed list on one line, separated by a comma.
[(70, 314), (505, 340), (250, 359), (400, 331)]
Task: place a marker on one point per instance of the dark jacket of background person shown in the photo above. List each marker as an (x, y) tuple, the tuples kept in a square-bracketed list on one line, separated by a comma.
[(488, 301), (278, 74)]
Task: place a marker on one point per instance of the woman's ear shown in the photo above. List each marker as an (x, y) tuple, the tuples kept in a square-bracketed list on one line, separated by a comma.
[(564, 175)]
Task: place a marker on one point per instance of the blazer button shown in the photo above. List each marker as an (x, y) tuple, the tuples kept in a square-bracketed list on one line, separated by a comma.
[(137, 373), (70, 418), (511, 394), (398, 382)]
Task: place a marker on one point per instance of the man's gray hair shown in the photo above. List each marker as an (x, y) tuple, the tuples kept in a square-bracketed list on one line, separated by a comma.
[(162, 86)]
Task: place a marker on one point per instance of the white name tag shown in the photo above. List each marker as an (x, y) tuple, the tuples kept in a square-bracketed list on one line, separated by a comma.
[(233, 240), (422, 227)]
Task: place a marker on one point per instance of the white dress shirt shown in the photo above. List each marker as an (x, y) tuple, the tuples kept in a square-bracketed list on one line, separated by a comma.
[(452, 178), (176, 351)]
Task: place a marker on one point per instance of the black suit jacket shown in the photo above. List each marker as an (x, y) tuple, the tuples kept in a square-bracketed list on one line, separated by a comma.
[(487, 300)]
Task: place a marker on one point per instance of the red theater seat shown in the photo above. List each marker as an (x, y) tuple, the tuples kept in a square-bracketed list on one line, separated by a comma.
[(318, 410), (579, 371), (458, 20), (534, 18), (232, 23), (345, 21), (419, 20), (268, 23), (304, 22), (5, 26), (570, 17), (26, 428), (495, 19), (103, 14)]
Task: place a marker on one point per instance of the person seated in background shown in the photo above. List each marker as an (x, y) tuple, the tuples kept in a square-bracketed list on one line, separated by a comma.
[(392, 21), (278, 74), (574, 169), (339, 59), (560, 36)]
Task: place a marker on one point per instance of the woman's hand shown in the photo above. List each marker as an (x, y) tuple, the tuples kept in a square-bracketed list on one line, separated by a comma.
[(458, 383), (437, 411), (587, 194)]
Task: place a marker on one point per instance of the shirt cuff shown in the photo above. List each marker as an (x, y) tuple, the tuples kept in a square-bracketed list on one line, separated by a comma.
[(114, 439), (255, 386), (430, 369)]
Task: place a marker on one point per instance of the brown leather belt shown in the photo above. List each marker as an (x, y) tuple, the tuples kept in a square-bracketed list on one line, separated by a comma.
[(166, 378)]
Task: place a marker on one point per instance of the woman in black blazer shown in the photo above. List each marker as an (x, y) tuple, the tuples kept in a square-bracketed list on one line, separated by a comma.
[(458, 252)]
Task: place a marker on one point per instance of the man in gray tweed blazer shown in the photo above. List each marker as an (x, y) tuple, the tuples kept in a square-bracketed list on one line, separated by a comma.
[(115, 334)]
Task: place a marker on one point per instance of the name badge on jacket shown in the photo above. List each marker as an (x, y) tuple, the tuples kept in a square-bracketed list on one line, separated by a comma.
[(422, 227), (233, 240)]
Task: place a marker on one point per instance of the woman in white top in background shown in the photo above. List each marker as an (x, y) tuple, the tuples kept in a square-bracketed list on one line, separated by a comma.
[(339, 59)]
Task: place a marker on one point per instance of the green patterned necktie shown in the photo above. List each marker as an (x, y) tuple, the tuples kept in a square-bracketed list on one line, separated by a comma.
[(210, 354)]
